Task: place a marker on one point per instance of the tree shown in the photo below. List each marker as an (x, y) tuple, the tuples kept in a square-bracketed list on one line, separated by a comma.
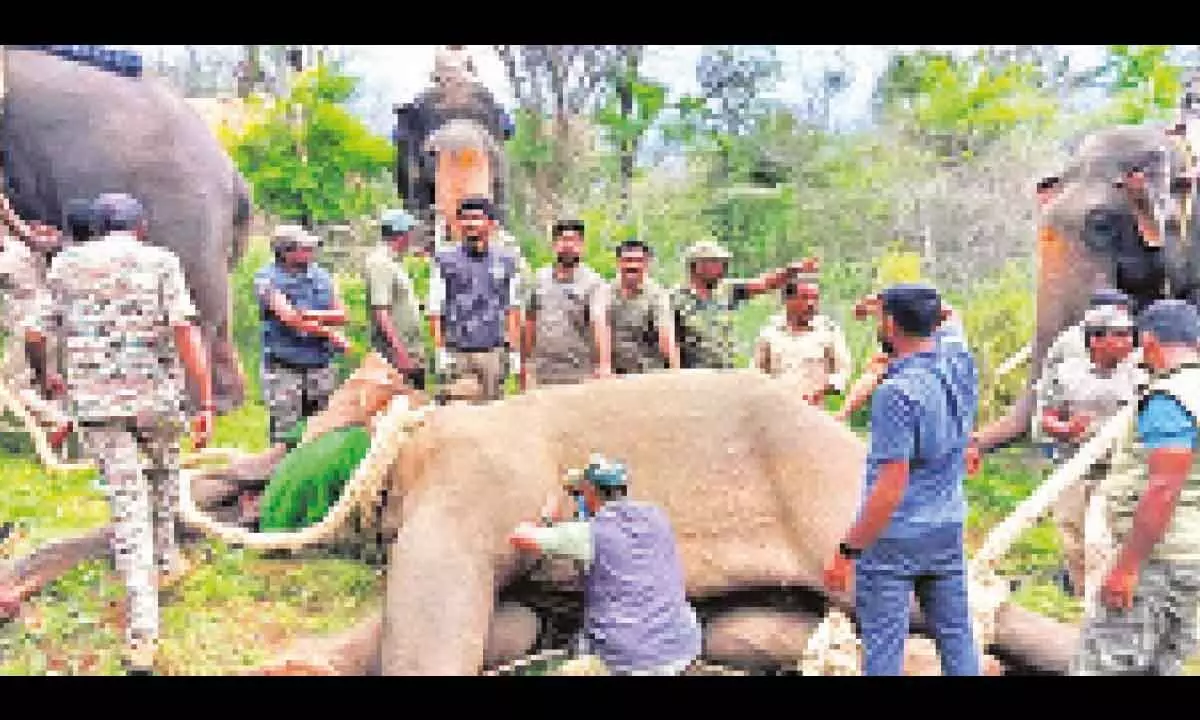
[(1142, 82), (631, 109), (321, 167), (955, 106), (556, 83)]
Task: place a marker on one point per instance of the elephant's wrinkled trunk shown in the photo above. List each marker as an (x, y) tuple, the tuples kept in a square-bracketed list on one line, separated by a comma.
[(1067, 274)]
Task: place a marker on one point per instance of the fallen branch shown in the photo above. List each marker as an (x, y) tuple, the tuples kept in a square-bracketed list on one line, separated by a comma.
[(1018, 359)]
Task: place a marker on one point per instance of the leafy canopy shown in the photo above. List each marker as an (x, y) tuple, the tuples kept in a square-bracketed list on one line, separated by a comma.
[(306, 155)]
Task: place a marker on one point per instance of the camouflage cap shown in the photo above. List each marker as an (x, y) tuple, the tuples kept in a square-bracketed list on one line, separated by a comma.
[(706, 250), (605, 474)]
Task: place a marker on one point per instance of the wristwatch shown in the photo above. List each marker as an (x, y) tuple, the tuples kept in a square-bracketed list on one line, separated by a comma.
[(848, 552)]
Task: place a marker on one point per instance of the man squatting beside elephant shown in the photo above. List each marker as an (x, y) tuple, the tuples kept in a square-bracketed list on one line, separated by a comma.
[(121, 310), (638, 620), (475, 305), (300, 311), (395, 315), (1146, 620), (909, 532)]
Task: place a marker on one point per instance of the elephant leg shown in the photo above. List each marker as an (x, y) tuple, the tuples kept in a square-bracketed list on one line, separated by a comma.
[(440, 595), (758, 637)]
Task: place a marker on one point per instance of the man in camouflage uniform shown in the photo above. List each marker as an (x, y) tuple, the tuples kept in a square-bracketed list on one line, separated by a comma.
[(704, 307), (639, 315), (300, 310), (803, 346), (474, 305), (565, 323), (20, 290), (395, 317), (122, 311), (1077, 396), (1145, 622)]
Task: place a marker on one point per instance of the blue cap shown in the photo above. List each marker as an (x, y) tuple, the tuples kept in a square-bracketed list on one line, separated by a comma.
[(1173, 322), (916, 308), (117, 211), (396, 221), (605, 474)]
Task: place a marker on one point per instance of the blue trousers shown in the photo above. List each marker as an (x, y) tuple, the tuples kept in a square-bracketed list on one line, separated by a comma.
[(887, 575)]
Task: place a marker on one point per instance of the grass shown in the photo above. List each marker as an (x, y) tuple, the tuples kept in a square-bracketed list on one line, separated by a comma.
[(233, 611)]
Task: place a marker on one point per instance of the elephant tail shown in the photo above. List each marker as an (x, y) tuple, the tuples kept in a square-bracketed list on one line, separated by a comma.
[(392, 430)]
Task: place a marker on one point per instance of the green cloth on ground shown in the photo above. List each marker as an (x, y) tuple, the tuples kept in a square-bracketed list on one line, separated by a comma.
[(310, 478)]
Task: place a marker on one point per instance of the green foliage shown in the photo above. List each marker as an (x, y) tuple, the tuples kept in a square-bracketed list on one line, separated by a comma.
[(1143, 84), (649, 101), (321, 164), (958, 104), (998, 316)]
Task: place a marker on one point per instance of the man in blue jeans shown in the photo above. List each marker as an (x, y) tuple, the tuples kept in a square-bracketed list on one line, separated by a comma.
[(909, 532)]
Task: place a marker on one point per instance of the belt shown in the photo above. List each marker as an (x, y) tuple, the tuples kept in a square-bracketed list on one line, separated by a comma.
[(272, 363)]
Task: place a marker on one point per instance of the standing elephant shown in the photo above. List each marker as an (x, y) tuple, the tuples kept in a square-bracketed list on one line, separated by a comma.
[(1088, 236), (422, 170), (72, 130)]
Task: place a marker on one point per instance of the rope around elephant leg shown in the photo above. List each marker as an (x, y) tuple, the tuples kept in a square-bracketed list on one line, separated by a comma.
[(391, 431)]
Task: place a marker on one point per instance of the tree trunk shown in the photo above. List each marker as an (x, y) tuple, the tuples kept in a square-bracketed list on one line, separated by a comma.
[(628, 141)]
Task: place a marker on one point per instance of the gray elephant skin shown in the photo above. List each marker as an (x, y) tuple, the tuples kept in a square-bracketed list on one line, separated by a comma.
[(1088, 237), (75, 131)]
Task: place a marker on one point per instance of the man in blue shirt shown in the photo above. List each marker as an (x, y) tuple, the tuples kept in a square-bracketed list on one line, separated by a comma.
[(909, 532), (1146, 620)]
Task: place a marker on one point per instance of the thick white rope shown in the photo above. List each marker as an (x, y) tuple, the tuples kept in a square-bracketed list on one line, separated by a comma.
[(1018, 359), (391, 431)]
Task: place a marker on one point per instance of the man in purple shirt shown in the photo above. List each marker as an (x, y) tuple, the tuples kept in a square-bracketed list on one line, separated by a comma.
[(637, 617)]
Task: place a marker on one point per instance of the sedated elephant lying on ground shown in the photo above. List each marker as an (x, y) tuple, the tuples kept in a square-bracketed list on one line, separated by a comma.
[(759, 486), (75, 131), (1088, 236)]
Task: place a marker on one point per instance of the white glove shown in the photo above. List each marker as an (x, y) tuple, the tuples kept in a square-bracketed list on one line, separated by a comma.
[(514, 362), (444, 361)]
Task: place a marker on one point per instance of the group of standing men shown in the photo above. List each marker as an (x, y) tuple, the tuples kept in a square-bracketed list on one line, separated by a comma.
[(490, 318)]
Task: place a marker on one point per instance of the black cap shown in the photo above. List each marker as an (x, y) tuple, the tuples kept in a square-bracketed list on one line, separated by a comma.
[(1110, 296), (917, 309), (79, 218), (1173, 322)]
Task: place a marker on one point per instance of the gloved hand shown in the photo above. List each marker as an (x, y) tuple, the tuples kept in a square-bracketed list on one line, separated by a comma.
[(444, 361)]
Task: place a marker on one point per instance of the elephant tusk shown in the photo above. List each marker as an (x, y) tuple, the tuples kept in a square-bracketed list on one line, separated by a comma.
[(1018, 359), (391, 431)]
